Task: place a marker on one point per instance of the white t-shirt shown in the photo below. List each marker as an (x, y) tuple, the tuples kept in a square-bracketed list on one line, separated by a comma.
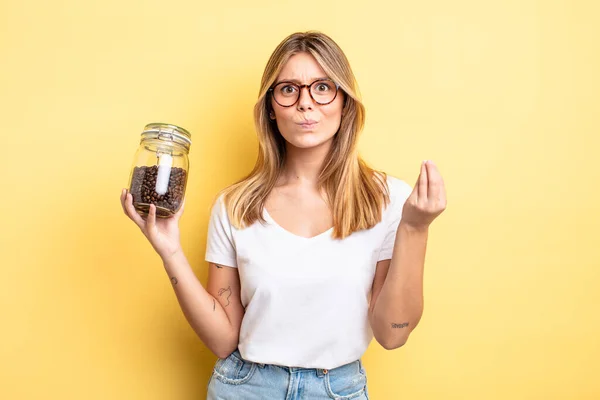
[(306, 299)]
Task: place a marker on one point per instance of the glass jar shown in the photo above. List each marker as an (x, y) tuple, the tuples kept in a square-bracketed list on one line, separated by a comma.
[(160, 169)]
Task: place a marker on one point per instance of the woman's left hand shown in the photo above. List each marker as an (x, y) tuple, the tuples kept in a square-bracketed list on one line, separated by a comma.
[(427, 200)]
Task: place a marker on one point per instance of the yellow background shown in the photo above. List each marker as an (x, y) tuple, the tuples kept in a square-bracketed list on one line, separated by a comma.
[(502, 95)]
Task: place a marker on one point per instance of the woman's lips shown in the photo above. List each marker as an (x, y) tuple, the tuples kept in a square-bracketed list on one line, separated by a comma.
[(308, 124)]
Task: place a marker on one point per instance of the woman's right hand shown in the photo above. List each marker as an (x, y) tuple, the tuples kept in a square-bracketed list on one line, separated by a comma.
[(162, 233)]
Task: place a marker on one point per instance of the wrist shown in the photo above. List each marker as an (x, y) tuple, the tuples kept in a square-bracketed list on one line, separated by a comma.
[(172, 256), (409, 228)]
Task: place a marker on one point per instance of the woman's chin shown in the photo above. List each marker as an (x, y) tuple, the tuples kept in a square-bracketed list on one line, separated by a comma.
[(307, 140)]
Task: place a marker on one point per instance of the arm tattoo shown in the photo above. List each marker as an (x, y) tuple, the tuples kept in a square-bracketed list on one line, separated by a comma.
[(174, 280), (223, 291), (404, 325), (218, 266)]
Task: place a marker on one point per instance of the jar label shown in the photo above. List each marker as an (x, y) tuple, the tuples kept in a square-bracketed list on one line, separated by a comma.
[(165, 162)]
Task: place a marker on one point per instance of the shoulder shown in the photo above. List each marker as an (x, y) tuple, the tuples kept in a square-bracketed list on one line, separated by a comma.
[(218, 207), (399, 189), (218, 203)]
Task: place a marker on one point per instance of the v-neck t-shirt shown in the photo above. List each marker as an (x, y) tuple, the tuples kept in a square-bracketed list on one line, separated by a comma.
[(306, 299)]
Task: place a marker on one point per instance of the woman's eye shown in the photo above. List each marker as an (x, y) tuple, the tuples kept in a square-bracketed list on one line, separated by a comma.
[(322, 87), (288, 89)]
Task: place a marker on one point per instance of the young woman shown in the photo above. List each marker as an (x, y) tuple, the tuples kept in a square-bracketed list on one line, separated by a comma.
[(313, 253)]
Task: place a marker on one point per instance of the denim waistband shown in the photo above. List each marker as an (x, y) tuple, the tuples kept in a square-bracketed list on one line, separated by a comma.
[(319, 371)]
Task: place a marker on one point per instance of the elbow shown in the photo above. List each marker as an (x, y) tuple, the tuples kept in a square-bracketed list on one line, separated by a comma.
[(225, 351), (222, 355), (394, 343), (225, 348)]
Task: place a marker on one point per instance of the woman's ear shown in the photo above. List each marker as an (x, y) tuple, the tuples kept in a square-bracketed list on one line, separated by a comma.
[(270, 112)]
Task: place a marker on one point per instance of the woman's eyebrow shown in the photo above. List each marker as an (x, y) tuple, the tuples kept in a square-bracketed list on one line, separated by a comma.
[(298, 82)]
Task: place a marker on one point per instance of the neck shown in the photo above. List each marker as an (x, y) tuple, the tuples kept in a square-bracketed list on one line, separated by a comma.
[(303, 166)]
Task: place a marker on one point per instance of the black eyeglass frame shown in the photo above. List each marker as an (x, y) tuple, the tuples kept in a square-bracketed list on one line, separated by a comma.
[(300, 87)]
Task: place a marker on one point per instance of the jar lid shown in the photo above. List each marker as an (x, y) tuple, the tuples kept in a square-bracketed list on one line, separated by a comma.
[(174, 133)]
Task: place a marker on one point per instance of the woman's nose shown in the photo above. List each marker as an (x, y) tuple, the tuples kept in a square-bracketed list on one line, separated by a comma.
[(305, 102)]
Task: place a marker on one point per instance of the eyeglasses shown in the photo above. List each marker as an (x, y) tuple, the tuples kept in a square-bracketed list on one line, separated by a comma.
[(322, 91)]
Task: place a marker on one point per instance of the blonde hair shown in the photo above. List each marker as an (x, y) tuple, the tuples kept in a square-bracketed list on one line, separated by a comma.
[(355, 192)]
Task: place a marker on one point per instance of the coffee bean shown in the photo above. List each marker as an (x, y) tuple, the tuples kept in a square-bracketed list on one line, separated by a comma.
[(143, 183)]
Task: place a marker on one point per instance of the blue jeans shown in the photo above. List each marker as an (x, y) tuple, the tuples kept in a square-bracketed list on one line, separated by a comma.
[(234, 378)]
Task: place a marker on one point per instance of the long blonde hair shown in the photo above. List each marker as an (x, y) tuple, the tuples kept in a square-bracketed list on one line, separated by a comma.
[(355, 192)]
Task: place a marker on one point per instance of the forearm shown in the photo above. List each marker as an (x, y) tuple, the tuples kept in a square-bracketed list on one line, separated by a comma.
[(399, 306), (203, 312)]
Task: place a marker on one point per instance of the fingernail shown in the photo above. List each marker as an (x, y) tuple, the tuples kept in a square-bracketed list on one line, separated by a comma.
[(424, 161)]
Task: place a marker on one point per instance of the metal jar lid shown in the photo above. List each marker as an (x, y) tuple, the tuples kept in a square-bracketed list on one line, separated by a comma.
[(167, 132)]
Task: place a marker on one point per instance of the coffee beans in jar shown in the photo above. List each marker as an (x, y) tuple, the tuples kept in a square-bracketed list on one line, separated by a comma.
[(160, 170)]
